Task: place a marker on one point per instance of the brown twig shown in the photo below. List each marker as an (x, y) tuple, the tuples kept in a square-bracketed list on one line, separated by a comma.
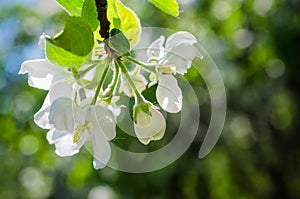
[(104, 23)]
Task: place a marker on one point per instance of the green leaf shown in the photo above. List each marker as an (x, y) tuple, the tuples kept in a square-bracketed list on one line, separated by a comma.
[(73, 7), (71, 47), (82, 8), (123, 18), (76, 38), (90, 14), (59, 56), (112, 13), (168, 6), (118, 42)]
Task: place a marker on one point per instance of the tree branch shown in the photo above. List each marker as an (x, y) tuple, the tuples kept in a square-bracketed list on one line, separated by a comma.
[(102, 17)]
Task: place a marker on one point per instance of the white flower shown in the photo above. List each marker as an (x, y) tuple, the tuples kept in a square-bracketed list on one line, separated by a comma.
[(60, 83), (168, 94), (149, 123), (42, 74), (66, 121), (175, 57), (178, 53), (138, 79), (61, 89), (45, 75), (67, 111), (73, 126), (64, 144)]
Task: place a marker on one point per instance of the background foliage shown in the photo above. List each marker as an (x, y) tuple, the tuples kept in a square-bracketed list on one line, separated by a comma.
[(256, 45)]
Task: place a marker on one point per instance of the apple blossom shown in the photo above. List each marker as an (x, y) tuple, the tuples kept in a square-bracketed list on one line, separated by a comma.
[(139, 81), (72, 126), (78, 109), (175, 57)]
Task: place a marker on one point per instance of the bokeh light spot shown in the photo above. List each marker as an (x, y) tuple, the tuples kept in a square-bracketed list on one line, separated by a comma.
[(275, 68), (29, 145), (243, 38), (262, 7), (101, 192), (221, 10), (36, 184)]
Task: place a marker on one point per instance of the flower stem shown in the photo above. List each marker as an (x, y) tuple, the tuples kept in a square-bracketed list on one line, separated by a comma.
[(106, 66), (124, 70), (115, 78), (150, 68), (111, 87), (85, 71)]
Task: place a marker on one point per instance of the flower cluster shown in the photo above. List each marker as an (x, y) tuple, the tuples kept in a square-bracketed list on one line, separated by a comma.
[(79, 107)]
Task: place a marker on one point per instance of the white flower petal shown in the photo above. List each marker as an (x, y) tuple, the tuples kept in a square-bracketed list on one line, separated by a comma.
[(156, 48), (61, 114), (64, 143), (39, 75), (54, 135), (42, 74), (79, 115), (61, 89), (177, 37), (139, 81), (42, 41), (116, 110), (143, 118), (168, 94), (181, 56), (125, 87), (154, 130), (85, 136), (41, 118), (102, 121), (102, 151), (82, 96)]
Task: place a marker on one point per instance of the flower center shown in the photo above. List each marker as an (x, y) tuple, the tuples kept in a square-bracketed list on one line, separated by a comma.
[(79, 131), (167, 69)]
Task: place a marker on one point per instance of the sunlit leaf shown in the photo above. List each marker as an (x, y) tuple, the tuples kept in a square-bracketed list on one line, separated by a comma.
[(123, 18), (90, 14), (77, 37), (59, 56), (168, 6), (71, 47), (73, 7), (82, 8)]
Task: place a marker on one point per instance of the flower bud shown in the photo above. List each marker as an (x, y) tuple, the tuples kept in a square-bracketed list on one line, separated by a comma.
[(149, 123)]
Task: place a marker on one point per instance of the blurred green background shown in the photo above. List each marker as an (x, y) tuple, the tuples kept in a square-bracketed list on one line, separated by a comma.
[(256, 45)]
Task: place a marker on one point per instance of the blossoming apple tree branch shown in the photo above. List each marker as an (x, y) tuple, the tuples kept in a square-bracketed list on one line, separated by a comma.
[(82, 104)]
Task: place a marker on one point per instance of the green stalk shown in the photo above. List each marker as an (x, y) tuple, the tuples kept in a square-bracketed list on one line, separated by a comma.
[(107, 63), (115, 78), (85, 71), (124, 70), (150, 68), (111, 87)]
